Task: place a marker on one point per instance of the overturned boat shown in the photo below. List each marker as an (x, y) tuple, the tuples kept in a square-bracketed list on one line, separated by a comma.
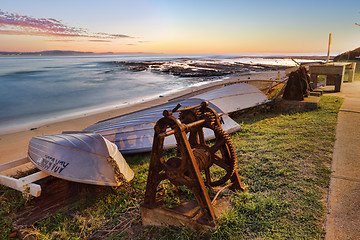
[(134, 132), (80, 157)]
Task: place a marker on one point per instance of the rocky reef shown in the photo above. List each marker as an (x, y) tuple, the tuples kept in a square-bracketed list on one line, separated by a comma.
[(194, 68)]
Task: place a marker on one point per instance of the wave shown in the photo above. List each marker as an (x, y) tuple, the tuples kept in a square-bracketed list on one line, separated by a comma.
[(55, 67), (28, 72)]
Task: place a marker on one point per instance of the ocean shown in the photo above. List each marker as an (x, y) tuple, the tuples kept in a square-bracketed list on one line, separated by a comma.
[(35, 90)]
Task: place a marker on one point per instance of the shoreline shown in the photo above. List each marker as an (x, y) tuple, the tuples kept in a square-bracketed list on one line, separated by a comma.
[(15, 145), (19, 125)]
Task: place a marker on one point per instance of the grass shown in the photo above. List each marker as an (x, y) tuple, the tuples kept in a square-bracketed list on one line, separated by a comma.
[(357, 70), (10, 202), (284, 159)]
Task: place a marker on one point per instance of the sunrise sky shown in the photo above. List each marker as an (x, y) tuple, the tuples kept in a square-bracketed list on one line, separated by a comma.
[(186, 26)]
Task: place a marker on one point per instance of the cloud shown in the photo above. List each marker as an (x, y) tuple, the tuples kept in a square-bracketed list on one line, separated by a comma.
[(60, 40), (99, 40), (107, 35), (15, 24)]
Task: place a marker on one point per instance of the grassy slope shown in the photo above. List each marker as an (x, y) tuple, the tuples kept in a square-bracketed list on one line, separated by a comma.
[(284, 159), (357, 70)]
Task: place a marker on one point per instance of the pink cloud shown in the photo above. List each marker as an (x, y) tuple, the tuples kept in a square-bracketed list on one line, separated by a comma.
[(99, 40), (60, 40), (15, 24)]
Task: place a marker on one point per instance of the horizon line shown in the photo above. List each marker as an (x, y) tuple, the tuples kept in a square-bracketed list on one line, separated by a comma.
[(175, 53)]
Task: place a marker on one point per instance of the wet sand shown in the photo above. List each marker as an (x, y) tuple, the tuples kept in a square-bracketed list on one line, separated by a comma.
[(15, 145)]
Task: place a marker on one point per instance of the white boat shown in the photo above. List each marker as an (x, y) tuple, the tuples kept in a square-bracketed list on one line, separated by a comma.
[(79, 157), (134, 132)]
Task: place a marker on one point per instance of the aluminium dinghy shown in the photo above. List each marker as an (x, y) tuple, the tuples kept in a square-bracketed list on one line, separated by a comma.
[(134, 132), (80, 157)]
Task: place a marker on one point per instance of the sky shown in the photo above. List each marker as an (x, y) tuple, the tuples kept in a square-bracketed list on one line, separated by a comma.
[(186, 26)]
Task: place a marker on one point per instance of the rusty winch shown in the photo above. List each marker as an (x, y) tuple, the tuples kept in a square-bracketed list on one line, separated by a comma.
[(193, 156)]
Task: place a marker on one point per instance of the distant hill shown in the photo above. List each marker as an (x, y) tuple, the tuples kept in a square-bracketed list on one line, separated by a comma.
[(349, 55), (63, 53), (46, 53)]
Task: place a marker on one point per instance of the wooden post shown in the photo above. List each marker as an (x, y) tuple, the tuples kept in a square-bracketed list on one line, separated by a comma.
[(328, 53), (313, 80), (352, 72)]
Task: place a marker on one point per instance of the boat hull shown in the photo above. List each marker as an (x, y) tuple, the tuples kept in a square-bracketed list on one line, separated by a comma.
[(134, 132), (79, 157)]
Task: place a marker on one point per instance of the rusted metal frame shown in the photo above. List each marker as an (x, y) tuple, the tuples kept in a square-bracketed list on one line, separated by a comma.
[(188, 108), (199, 190), (188, 127), (197, 187), (236, 183), (154, 175), (188, 173)]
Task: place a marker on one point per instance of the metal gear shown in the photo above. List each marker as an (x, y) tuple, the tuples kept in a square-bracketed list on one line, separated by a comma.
[(227, 160)]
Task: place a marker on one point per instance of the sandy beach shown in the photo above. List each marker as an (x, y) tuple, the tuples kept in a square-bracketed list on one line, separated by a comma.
[(15, 145)]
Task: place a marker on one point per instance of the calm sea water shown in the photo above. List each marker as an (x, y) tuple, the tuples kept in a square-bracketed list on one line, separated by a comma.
[(36, 90)]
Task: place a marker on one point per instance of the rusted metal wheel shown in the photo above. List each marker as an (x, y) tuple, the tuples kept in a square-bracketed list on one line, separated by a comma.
[(222, 154)]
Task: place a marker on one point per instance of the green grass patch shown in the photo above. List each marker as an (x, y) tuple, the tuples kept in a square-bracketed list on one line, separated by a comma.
[(357, 70), (10, 202), (284, 160)]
